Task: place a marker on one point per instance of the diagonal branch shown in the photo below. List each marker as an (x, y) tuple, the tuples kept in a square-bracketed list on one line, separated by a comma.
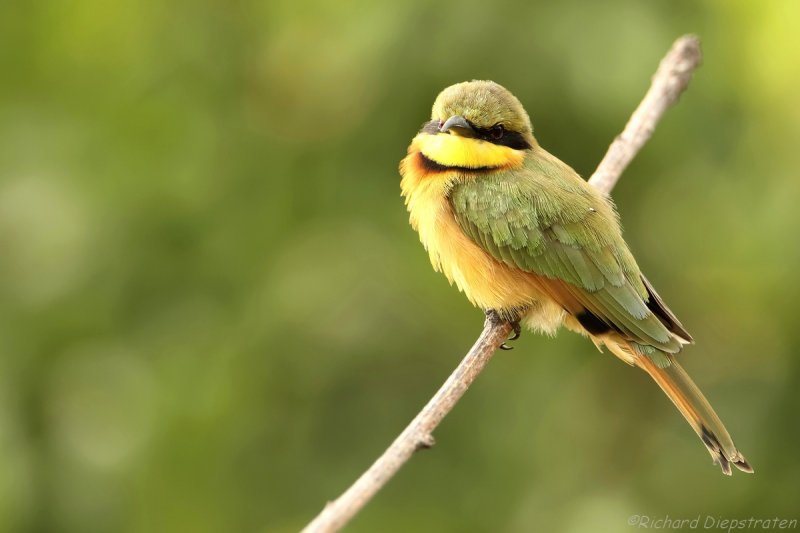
[(669, 81)]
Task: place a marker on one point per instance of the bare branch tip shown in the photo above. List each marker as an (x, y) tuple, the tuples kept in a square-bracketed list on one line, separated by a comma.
[(688, 51)]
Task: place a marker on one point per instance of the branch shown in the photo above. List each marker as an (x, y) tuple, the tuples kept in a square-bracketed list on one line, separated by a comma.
[(669, 81)]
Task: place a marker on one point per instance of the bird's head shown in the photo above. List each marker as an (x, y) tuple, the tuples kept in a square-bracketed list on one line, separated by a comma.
[(483, 110), (476, 124)]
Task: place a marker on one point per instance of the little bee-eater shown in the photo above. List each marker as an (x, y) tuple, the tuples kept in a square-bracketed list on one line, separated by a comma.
[(526, 239)]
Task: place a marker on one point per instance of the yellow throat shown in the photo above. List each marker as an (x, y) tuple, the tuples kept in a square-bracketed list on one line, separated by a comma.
[(466, 152)]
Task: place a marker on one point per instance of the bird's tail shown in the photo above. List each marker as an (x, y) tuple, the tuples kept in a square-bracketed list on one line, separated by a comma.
[(683, 392), (686, 396)]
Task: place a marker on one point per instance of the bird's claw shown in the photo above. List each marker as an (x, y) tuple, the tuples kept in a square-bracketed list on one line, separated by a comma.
[(495, 317), (515, 336)]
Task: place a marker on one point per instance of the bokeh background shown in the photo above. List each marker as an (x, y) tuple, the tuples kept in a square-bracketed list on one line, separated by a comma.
[(214, 316)]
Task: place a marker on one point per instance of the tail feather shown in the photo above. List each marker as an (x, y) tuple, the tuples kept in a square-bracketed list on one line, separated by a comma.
[(686, 396)]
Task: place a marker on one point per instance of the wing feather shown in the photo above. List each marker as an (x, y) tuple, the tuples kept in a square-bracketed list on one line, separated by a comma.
[(561, 229)]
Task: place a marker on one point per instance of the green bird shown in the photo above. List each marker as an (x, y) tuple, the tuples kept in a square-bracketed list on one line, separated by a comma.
[(522, 235)]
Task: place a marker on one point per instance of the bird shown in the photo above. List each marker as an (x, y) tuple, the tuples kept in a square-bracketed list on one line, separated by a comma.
[(530, 242)]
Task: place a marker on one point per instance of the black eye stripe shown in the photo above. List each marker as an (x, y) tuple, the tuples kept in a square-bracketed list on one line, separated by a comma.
[(512, 139), (486, 133)]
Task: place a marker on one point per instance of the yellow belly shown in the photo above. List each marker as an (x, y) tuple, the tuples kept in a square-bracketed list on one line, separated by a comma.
[(488, 283)]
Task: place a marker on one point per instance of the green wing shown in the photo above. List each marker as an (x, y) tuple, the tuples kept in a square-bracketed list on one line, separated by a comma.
[(545, 219)]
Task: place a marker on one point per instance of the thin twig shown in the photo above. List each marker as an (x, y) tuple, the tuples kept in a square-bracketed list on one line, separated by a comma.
[(669, 81)]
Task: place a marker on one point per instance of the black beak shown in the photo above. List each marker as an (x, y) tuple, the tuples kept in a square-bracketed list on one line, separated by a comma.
[(458, 125)]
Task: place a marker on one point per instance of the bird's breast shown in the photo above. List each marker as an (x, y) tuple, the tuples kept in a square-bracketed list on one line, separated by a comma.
[(487, 282)]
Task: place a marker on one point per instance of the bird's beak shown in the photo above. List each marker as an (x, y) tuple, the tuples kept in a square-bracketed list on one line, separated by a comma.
[(458, 125)]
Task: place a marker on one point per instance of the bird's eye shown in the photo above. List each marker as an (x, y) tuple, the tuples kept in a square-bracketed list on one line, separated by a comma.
[(497, 131)]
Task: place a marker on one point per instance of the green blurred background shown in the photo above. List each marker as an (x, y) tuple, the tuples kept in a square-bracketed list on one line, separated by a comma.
[(214, 316)]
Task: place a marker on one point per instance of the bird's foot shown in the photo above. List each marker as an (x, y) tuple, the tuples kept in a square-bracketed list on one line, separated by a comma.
[(494, 317)]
